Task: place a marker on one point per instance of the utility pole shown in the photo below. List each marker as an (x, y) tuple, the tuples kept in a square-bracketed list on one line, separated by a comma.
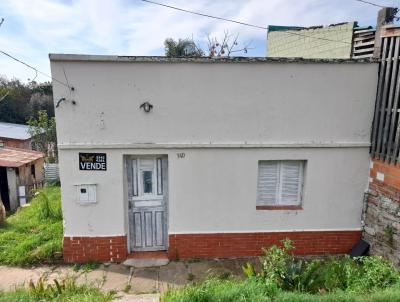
[(385, 16)]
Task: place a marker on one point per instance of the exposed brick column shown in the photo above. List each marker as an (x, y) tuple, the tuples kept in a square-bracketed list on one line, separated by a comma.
[(382, 211), (103, 249)]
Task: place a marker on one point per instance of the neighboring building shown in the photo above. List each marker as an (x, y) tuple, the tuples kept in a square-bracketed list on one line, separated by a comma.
[(232, 156), (333, 41), (21, 168), (15, 135), (20, 171), (363, 42), (338, 41)]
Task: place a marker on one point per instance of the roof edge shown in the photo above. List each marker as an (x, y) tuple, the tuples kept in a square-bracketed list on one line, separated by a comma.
[(161, 59)]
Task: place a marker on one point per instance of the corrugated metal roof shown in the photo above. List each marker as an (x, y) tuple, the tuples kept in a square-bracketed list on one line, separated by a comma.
[(15, 157), (15, 131)]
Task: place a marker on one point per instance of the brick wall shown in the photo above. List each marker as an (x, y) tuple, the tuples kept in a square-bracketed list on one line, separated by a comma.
[(382, 211), (104, 249), (16, 143), (225, 245), (220, 245)]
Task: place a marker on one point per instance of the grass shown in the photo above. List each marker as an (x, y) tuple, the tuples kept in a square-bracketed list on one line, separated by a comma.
[(33, 234), (66, 290), (251, 290)]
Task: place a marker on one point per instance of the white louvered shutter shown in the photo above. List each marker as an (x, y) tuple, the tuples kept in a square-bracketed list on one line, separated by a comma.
[(268, 183), (291, 182)]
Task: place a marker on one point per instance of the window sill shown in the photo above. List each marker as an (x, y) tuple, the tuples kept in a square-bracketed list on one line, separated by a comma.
[(280, 207)]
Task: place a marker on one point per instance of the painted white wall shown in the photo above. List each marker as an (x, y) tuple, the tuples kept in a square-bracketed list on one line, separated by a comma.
[(219, 103), (213, 189)]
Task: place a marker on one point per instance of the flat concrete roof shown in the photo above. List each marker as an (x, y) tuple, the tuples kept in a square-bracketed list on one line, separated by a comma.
[(162, 59)]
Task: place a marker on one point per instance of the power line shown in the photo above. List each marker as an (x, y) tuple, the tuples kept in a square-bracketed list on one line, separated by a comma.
[(238, 22), (319, 38), (370, 3), (205, 15), (31, 67)]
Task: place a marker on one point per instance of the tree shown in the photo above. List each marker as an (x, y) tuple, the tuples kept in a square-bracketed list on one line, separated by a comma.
[(14, 102), (44, 138), (224, 47), (182, 48), (19, 102)]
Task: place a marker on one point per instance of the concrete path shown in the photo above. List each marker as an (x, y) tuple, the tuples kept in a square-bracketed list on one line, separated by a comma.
[(132, 285)]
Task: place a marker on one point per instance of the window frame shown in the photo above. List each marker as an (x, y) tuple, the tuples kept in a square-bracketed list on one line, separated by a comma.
[(278, 204), (137, 185)]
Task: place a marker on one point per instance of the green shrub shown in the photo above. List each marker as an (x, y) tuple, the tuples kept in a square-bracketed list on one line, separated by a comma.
[(360, 274), (373, 273), (275, 263)]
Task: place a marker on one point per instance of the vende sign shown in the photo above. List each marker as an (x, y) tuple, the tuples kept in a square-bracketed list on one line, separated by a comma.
[(93, 161)]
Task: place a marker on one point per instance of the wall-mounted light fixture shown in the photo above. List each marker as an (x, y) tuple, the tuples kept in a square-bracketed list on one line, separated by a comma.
[(73, 102), (146, 106)]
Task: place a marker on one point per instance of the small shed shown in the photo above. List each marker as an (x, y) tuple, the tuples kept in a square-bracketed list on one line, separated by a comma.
[(15, 135), (21, 170)]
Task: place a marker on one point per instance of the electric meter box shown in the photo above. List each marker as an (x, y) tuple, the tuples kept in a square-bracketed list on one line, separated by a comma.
[(86, 193)]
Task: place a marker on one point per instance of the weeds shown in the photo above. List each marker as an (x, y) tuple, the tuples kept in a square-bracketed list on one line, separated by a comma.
[(127, 288), (283, 278), (279, 267), (33, 234), (86, 267), (64, 290)]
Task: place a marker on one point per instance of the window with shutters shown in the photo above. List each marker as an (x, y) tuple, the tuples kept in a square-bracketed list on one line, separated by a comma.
[(280, 184)]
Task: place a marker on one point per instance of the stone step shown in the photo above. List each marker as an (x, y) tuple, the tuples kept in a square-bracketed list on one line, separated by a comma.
[(145, 262)]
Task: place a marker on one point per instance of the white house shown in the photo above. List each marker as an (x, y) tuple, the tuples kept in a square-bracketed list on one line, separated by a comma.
[(211, 157)]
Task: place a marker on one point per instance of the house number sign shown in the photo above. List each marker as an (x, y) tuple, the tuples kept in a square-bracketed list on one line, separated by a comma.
[(93, 161)]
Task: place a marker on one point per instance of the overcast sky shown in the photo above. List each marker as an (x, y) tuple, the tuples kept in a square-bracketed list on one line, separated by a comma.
[(34, 28)]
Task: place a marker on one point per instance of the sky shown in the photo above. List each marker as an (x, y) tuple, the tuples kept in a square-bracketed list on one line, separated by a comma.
[(34, 28)]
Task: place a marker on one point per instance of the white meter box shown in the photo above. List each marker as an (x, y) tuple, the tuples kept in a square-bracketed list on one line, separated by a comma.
[(86, 193)]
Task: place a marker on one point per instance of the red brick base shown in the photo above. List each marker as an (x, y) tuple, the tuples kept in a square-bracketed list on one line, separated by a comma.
[(104, 249), (219, 245), (225, 245)]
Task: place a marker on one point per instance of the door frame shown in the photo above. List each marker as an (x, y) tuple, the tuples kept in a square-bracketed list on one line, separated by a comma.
[(165, 179), (5, 188)]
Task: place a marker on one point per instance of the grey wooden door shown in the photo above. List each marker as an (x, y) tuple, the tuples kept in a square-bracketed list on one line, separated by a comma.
[(147, 191)]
